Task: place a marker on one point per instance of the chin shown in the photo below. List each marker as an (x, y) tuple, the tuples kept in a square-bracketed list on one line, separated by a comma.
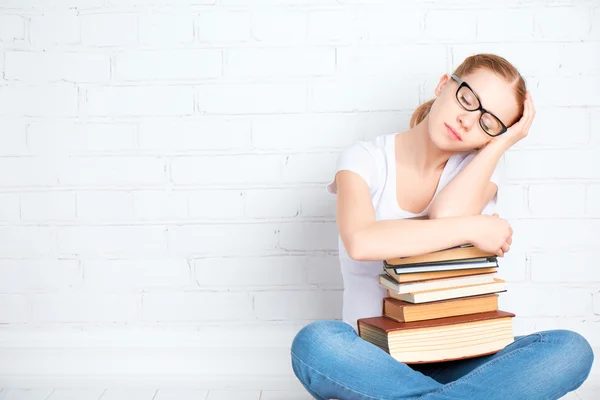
[(441, 140)]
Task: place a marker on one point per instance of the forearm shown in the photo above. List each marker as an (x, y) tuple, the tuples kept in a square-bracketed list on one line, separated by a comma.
[(387, 239), (466, 194)]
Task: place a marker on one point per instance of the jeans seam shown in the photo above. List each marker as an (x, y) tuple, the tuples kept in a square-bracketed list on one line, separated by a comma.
[(481, 369), (333, 380)]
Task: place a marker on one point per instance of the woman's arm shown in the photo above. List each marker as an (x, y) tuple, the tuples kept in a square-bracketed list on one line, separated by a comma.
[(366, 239), (470, 190)]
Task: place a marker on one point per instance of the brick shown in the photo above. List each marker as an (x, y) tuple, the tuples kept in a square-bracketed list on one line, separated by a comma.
[(334, 26), (528, 300), (18, 276), (273, 63), (557, 200), (207, 170), (10, 209), (568, 91), (224, 394), (97, 206), (513, 266), (12, 27), (564, 267), (308, 236), (391, 23), (168, 65), (350, 95), (238, 273), (556, 234), (223, 26), (112, 171), (153, 205), (194, 134), (162, 2), (26, 394), (129, 394), (33, 171), (307, 131), (27, 241), (73, 137), (14, 308), (53, 100), (272, 203), (75, 394), (308, 305), (140, 100), (580, 58), (216, 204), (109, 29), (103, 241), (592, 200), (283, 27), (513, 25), (574, 23), (43, 67), (512, 201), (450, 25), (84, 307), (309, 168), (219, 239), (252, 98), (13, 136), (48, 206), (192, 306), (111, 275), (166, 29), (369, 61), (55, 28), (546, 164), (551, 125)]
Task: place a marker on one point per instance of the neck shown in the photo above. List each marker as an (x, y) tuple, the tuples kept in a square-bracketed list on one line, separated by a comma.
[(419, 151)]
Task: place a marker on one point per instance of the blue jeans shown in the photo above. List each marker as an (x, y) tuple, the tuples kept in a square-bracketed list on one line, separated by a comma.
[(332, 361)]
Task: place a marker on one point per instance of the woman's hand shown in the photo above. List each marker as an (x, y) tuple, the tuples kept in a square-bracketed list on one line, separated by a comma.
[(520, 129), (491, 233)]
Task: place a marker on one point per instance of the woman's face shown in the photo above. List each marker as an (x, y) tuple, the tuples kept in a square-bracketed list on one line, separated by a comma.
[(448, 116)]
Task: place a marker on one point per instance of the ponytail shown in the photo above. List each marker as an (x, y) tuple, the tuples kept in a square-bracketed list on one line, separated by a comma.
[(420, 113)]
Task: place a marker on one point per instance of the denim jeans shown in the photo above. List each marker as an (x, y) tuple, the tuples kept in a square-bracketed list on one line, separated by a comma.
[(332, 361)]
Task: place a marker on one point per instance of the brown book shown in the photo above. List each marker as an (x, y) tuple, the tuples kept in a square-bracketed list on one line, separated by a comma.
[(403, 311), (464, 252), (425, 276), (442, 339)]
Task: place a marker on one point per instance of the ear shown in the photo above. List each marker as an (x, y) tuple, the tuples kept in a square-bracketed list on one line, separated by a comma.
[(441, 84)]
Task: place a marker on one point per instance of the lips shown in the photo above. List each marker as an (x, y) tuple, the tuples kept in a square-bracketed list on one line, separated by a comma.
[(453, 132)]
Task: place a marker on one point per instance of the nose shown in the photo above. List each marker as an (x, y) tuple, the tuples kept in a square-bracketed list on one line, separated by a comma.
[(468, 119)]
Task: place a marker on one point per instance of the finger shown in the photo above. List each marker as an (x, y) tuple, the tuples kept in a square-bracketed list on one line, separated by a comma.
[(500, 253), (509, 240), (505, 247), (495, 215)]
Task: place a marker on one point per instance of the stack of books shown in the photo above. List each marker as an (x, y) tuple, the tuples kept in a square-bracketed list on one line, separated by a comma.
[(440, 306)]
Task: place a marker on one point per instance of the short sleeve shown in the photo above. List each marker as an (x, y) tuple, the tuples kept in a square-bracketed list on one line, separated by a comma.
[(360, 158)]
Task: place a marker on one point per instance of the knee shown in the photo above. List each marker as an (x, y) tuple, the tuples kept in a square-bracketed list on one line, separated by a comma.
[(320, 337), (575, 350)]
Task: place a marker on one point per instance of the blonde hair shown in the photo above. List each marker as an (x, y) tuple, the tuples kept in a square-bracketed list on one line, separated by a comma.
[(491, 62)]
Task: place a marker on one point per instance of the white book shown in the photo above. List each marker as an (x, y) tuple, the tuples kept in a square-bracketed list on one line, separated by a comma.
[(451, 293), (409, 287)]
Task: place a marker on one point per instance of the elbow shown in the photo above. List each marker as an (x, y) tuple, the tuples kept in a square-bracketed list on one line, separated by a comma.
[(356, 249)]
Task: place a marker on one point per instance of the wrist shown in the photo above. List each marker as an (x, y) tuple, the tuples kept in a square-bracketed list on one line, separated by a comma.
[(466, 228)]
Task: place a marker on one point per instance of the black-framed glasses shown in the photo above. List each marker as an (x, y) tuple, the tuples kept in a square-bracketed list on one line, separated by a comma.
[(469, 100)]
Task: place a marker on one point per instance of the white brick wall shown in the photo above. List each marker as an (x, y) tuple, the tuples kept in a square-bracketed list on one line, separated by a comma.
[(164, 166)]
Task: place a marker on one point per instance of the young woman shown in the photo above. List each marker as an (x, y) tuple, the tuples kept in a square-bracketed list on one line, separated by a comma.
[(444, 166)]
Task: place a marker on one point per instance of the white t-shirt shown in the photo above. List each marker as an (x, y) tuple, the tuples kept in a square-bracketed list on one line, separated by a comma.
[(375, 162)]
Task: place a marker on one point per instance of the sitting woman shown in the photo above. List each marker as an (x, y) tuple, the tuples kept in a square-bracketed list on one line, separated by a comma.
[(445, 167)]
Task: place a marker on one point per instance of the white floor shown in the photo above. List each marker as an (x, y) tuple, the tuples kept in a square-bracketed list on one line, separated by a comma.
[(149, 394), (187, 394)]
